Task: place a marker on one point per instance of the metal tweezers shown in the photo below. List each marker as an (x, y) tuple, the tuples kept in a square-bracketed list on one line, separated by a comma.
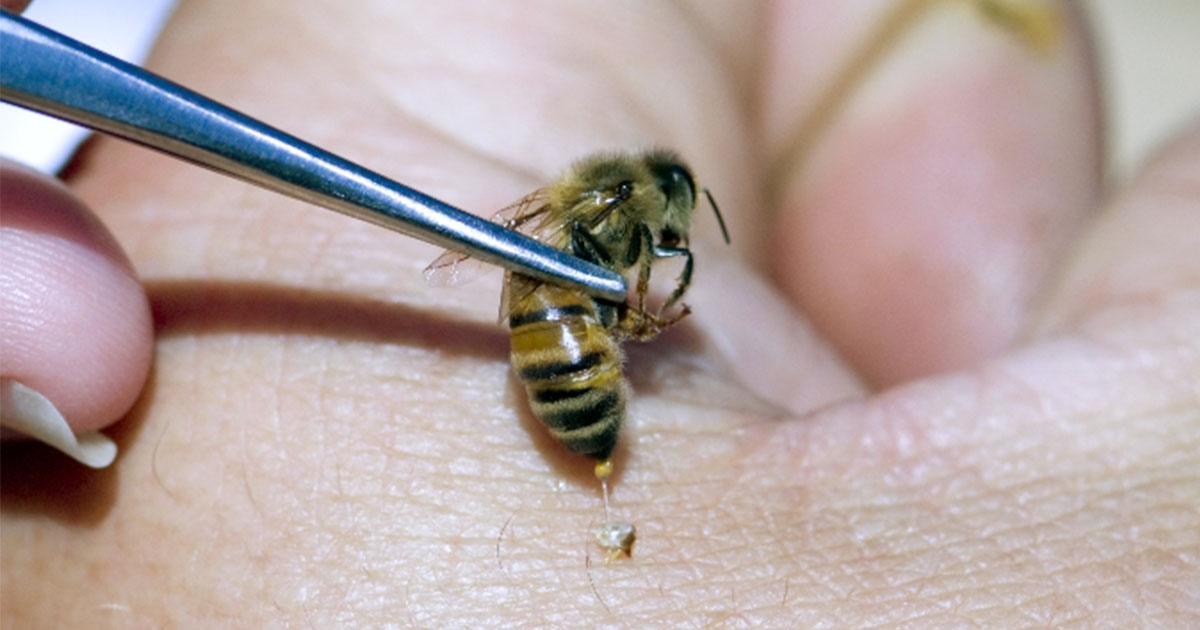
[(45, 71)]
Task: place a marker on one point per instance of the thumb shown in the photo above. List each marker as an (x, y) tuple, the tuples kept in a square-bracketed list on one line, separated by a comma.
[(75, 326)]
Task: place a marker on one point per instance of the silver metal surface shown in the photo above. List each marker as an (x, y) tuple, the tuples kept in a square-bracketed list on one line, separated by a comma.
[(48, 72)]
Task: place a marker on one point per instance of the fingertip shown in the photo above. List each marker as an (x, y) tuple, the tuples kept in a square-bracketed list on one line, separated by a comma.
[(75, 323), (919, 224)]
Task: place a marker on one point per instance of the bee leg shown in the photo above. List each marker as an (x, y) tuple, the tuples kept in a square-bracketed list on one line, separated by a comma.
[(645, 243), (685, 278), (638, 323), (585, 246), (643, 326)]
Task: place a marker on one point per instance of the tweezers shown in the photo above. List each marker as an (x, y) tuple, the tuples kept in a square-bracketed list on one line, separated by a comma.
[(48, 72)]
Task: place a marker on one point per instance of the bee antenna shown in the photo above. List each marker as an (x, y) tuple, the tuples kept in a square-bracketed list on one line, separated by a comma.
[(717, 211)]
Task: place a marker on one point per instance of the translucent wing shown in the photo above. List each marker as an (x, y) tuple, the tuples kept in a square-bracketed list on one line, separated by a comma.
[(452, 268), (530, 215), (534, 216)]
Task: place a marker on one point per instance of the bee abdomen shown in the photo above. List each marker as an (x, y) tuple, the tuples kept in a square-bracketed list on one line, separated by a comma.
[(571, 368), (547, 314), (586, 421), (559, 370)]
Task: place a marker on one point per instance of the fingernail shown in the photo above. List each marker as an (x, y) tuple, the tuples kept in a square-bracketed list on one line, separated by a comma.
[(31, 414)]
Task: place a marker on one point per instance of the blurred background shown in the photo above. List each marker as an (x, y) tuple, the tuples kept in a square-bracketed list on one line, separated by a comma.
[(1149, 55), (1150, 68)]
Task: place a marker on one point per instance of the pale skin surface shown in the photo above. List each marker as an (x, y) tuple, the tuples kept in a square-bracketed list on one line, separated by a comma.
[(327, 442)]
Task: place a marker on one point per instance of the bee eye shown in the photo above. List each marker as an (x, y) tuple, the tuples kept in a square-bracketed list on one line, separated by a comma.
[(680, 181)]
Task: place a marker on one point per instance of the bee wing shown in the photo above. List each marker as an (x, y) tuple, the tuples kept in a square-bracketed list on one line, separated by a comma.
[(532, 216), (506, 301), (553, 228), (516, 288), (452, 268)]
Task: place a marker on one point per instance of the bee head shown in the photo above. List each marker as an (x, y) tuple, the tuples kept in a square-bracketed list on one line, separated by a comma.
[(678, 187)]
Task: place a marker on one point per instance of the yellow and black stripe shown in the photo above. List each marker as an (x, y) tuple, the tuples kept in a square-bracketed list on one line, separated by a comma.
[(571, 367)]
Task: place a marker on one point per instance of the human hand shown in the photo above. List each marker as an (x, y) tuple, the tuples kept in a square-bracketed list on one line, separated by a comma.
[(327, 441)]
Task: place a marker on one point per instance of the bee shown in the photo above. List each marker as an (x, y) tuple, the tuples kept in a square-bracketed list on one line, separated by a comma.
[(620, 211)]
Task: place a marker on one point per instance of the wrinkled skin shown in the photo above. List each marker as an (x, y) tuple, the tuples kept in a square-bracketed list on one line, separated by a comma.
[(325, 441)]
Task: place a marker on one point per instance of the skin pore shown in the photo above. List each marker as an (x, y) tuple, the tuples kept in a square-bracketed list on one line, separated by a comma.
[(326, 441)]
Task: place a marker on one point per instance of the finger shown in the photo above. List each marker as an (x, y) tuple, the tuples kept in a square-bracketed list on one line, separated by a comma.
[(74, 321), (932, 163), (16, 6), (1141, 253)]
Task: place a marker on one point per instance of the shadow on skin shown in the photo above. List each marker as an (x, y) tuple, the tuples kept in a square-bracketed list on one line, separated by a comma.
[(192, 307), (38, 480)]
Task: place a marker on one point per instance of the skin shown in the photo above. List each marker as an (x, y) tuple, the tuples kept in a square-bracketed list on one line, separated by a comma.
[(325, 441)]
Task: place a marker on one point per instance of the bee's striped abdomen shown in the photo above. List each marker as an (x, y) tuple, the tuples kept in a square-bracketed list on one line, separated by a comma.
[(571, 367)]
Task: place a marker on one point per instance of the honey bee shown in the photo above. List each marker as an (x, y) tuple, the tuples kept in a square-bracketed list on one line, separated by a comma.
[(622, 212)]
